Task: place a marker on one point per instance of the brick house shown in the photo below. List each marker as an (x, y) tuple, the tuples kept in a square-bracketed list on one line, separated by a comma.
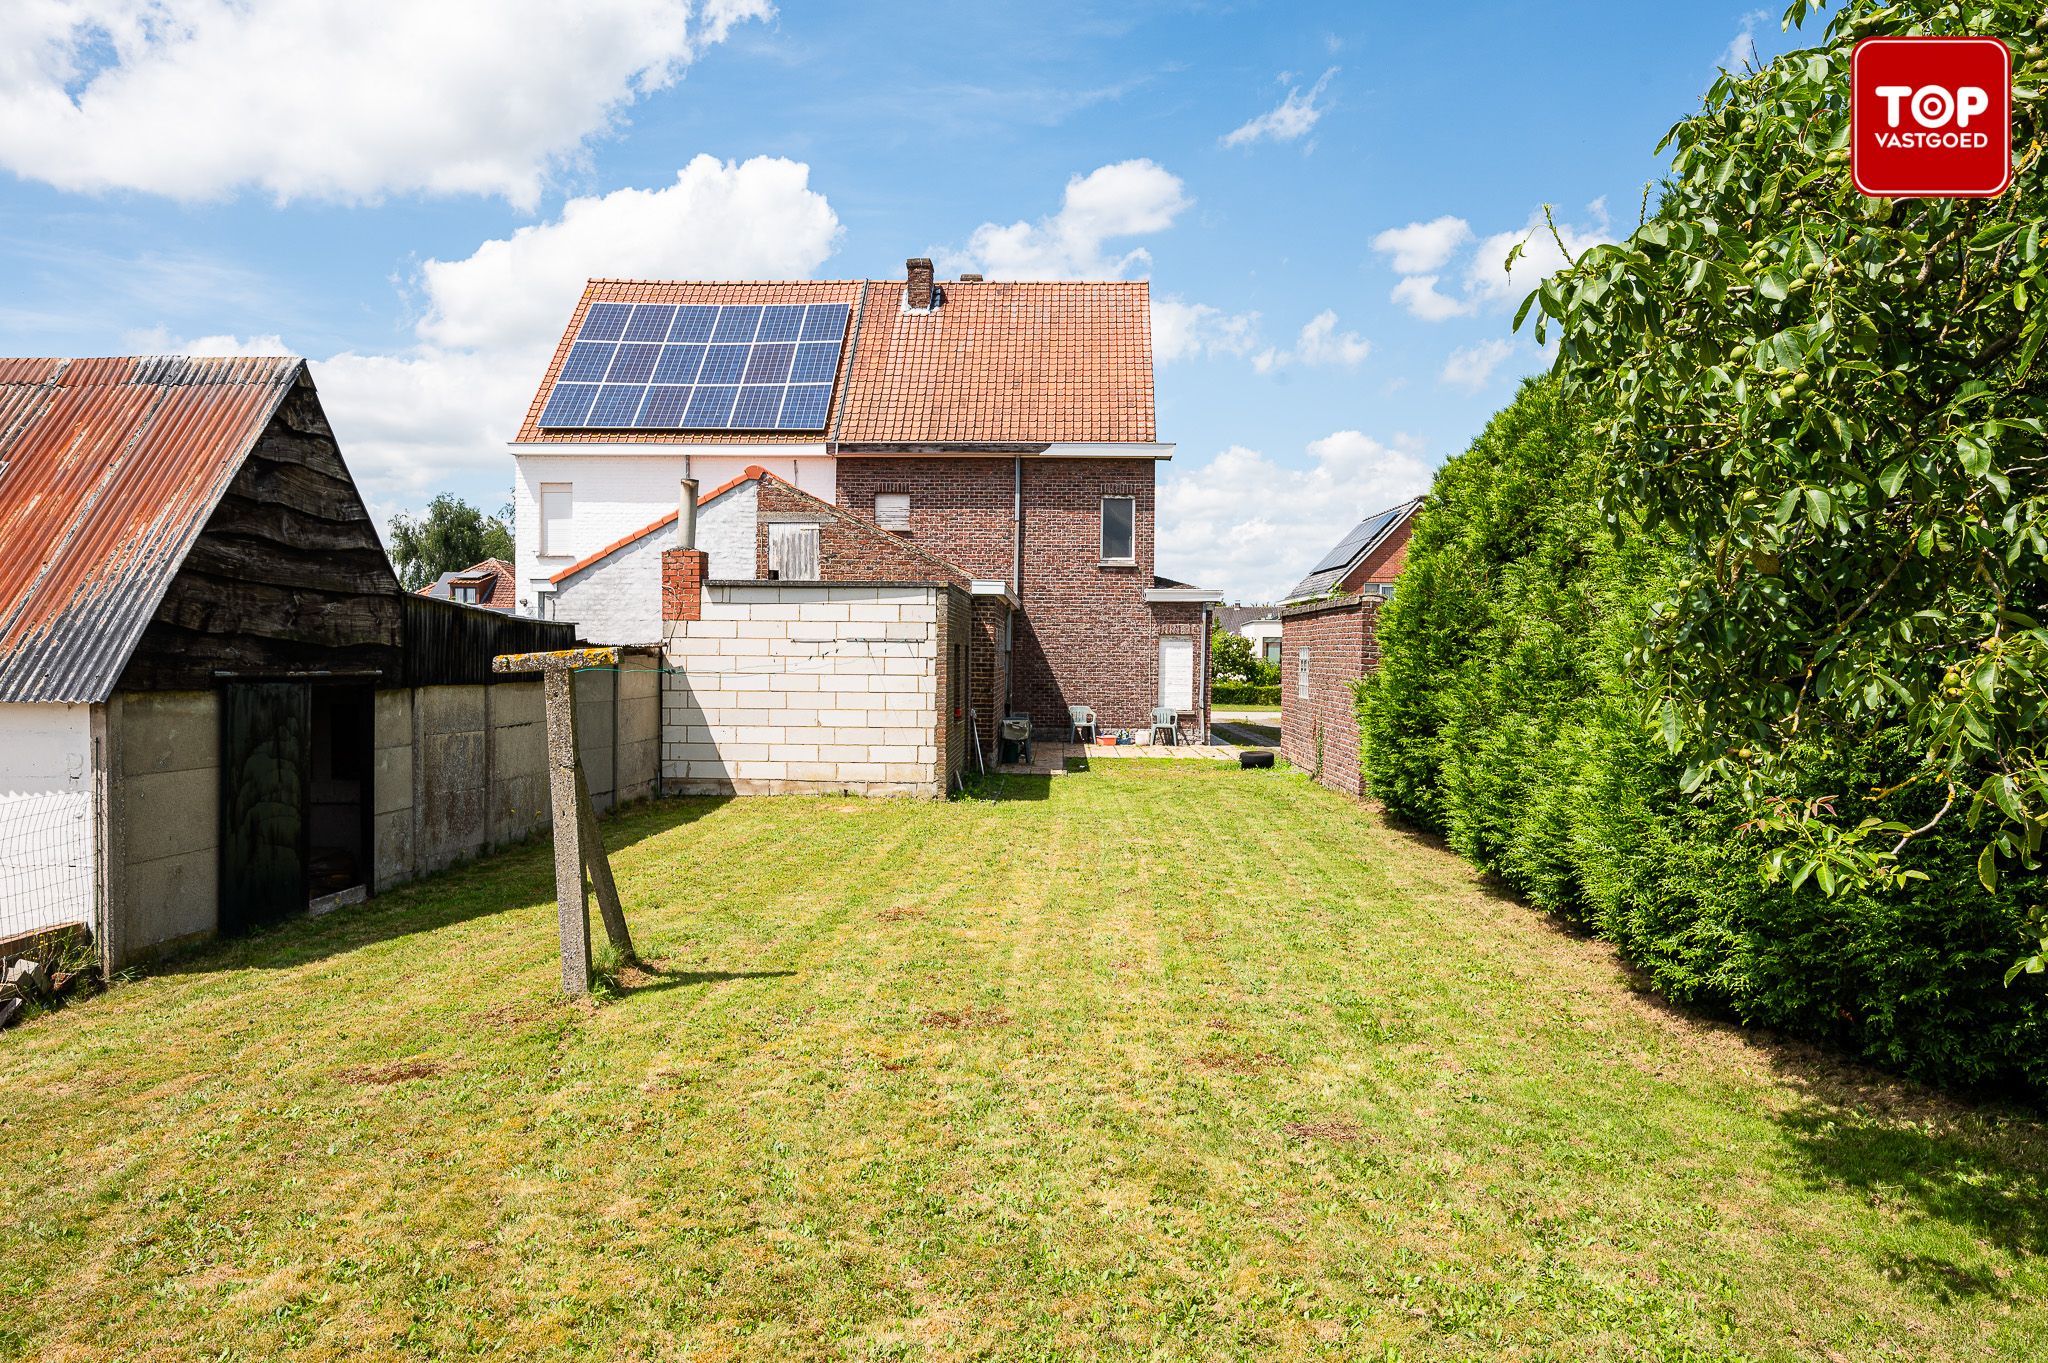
[(1365, 561), (994, 438), (1329, 640), (489, 584)]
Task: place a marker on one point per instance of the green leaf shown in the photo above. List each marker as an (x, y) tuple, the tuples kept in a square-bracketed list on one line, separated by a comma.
[(1987, 867)]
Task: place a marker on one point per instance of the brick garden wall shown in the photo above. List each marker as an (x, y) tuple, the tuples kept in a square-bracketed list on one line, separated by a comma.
[(1319, 731)]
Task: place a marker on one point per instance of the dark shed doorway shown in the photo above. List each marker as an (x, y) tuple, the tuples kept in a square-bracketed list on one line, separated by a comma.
[(296, 798)]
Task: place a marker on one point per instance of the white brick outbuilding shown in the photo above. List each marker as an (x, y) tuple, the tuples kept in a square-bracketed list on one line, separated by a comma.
[(789, 688)]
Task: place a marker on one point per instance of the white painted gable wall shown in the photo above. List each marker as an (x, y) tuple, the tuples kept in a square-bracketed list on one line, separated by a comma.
[(618, 599), (618, 489)]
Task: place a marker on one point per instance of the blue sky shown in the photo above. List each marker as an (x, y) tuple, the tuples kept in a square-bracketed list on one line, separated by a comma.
[(1320, 195)]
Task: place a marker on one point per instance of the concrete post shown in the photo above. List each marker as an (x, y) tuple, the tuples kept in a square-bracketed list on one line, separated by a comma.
[(572, 910)]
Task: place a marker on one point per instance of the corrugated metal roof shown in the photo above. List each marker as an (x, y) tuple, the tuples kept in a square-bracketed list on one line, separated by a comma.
[(109, 469)]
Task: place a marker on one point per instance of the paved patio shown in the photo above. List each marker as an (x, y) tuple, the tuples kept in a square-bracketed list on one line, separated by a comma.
[(1050, 757)]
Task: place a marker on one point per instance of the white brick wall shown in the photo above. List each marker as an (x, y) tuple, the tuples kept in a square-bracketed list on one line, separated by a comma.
[(618, 601), (789, 689), (617, 489)]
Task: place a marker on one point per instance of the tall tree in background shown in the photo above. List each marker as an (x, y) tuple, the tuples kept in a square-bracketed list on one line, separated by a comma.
[(451, 536), (1837, 404)]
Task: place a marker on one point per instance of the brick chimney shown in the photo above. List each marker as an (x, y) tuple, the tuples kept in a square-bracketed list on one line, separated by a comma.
[(970, 279), (918, 296)]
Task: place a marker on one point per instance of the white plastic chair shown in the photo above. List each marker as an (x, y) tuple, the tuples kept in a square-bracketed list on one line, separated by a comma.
[(1167, 718), (1080, 717)]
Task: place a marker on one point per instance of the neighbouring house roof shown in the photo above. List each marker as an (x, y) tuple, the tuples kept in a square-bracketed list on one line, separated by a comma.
[(494, 579), (1234, 618), (993, 363), (109, 469), (1365, 538)]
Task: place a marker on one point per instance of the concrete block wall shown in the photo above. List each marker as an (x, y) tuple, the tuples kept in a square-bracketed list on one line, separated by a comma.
[(807, 688), (164, 870), (463, 769), (457, 772)]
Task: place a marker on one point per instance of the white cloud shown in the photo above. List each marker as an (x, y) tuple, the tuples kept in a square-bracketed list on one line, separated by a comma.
[(1126, 199), (1420, 251), (1183, 331), (1419, 294), (1471, 367), (1741, 53), (1319, 343), (719, 220), (1421, 247), (1541, 257), (412, 422), (158, 341), (1294, 117), (331, 99), (1254, 527)]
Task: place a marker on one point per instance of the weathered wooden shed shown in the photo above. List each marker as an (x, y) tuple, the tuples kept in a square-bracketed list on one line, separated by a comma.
[(217, 706)]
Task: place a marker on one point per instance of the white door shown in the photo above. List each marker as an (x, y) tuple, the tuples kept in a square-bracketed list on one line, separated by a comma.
[(1177, 673)]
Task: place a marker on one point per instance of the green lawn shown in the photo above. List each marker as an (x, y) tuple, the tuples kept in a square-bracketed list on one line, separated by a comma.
[(1160, 1060)]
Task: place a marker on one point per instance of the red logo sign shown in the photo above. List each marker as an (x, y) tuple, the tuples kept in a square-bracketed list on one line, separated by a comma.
[(1931, 118)]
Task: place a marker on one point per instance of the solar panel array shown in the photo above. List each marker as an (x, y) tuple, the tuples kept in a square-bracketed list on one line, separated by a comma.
[(1361, 535), (665, 366)]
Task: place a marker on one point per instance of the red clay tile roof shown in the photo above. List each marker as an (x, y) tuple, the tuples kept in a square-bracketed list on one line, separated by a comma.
[(109, 469), (1004, 362), (497, 584), (995, 363)]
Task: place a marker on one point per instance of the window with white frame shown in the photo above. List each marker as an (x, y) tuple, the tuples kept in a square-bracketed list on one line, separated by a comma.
[(892, 510), (1301, 674), (465, 591), (556, 507), (1119, 529)]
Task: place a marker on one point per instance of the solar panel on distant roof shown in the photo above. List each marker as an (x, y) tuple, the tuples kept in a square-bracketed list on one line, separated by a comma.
[(650, 322), (771, 367), (781, 323), (815, 363), (664, 406), (587, 362), (569, 404), (710, 406), (605, 321), (736, 323), (693, 323), (1364, 533), (805, 407), (633, 364), (770, 363), (757, 406), (679, 364), (616, 404)]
